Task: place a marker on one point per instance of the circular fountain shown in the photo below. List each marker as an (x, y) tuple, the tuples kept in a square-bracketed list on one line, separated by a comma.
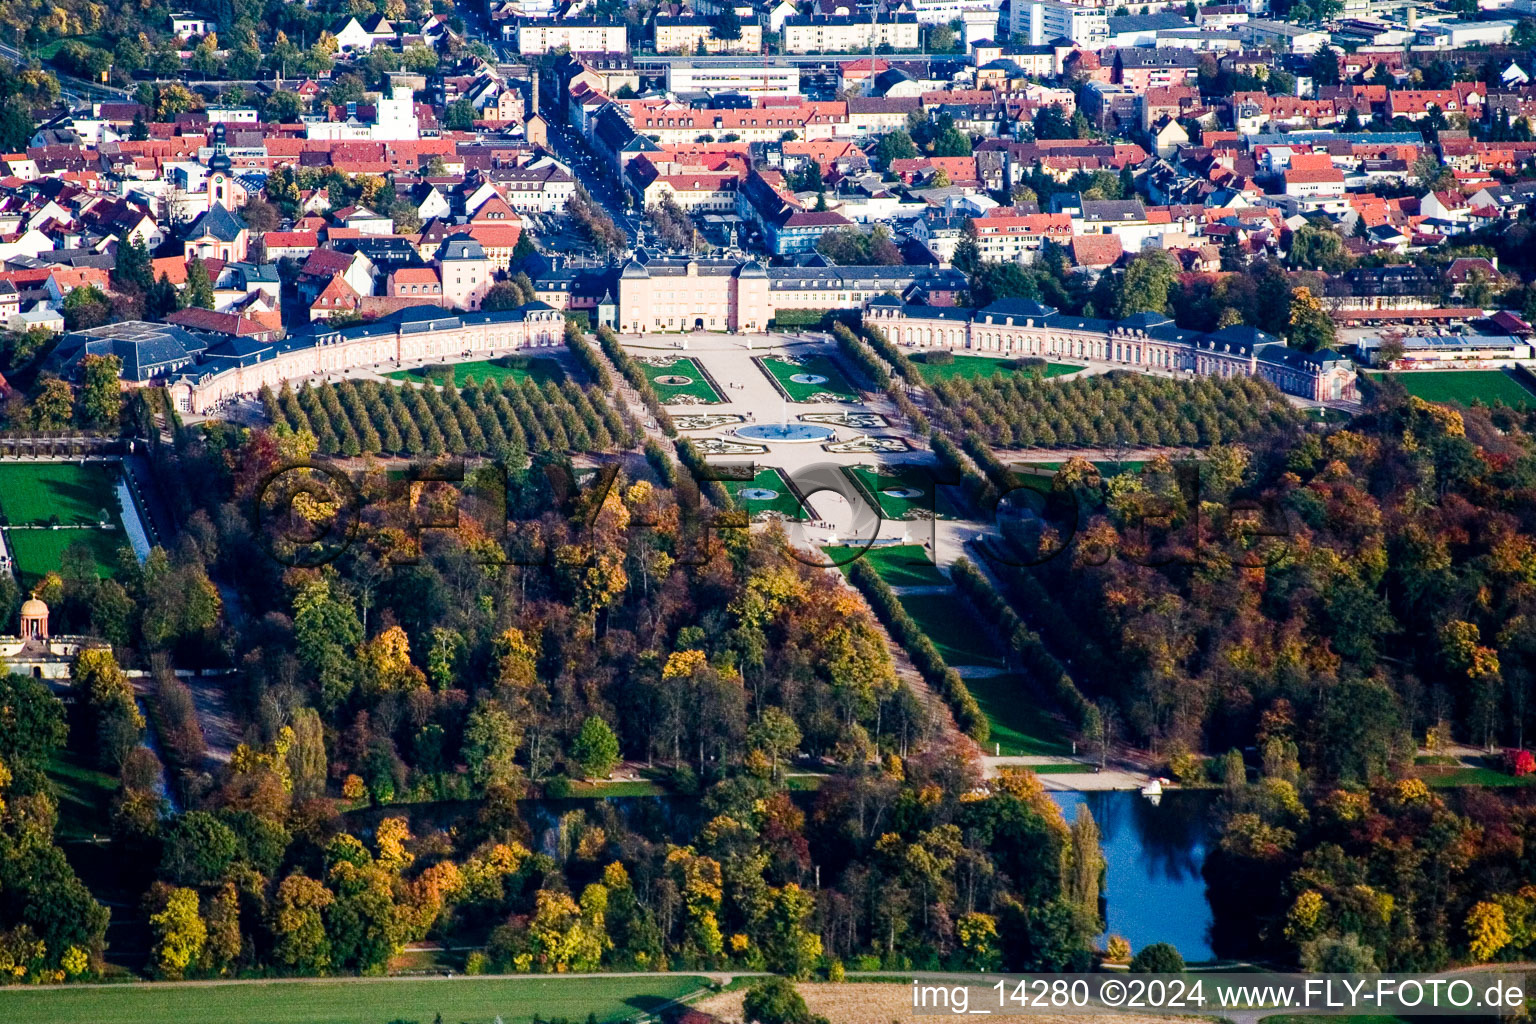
[(674, 380), (757, 494), (902, 492), (807, 378), (787, 433)]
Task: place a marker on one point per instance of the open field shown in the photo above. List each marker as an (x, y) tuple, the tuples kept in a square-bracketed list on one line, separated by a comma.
[(1018, 724), (813, 366), (952, 630), (39, 552), (1465, 386), (783, 501), (77, 493), (84, 796), (697, 386), (351, 1001), (902, 492), (973, 367), (900, 565), (540, 368)]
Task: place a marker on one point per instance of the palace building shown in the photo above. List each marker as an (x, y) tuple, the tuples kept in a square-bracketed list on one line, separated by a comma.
[(685, 294), (1149, 342)]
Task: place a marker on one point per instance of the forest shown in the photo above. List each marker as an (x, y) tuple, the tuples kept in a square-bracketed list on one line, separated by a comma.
[(481, 641)]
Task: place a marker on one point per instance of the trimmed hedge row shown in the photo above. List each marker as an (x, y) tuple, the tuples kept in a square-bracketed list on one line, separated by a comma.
[(859, 355), (688, 454), (661, 462), (1024, 643), (976, 486), (636, 378), (1000, 475), (576, 341), (1027, 592), (893, 355), (925, 656)]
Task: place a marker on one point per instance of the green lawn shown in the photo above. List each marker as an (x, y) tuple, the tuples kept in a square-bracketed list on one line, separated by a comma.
[(876, 480), (901, 565), (819, 366), (1019, 726), (950, 626), (1463, 386), (974, 367), (35, 492), (540, 368), (39, 552), (784, 501), (698, 386), (354, 1001), (84, 796)]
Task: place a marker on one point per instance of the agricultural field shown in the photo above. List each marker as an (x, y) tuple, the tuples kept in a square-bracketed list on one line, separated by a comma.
[(540, 368), (681, 378), (768, 492), (811, 376), (352, 1001), (971, 367), (903, 492), (1465, 386)]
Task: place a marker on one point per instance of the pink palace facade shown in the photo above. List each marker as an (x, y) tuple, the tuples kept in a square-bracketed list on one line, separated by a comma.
[(1019, 328)]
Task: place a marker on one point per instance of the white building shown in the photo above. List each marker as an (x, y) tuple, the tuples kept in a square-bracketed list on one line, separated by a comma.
[(942, 12), (397, 121), (1465, 33), (184, 26), (1283, 37), (754, 79), (578, 35), (1041, 21)]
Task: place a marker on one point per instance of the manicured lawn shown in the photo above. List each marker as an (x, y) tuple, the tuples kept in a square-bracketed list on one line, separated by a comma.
[(1463, 386), (922, 500), (783, 502), (39, 552), (352, 1001), (697, 387), (1018, 724), (815, 366), (77, 493), (540, 368), (84, 796), (950, 626), (973, 367), (901, 565)]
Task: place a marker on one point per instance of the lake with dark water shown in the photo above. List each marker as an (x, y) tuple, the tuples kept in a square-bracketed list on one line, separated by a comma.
[(1153, 854)]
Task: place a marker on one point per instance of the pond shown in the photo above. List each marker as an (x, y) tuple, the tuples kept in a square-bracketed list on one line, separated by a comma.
[(1153, 854)]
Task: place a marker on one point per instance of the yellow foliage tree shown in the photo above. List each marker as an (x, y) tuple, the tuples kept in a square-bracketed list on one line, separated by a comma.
[(179, 933), (1487, 931)]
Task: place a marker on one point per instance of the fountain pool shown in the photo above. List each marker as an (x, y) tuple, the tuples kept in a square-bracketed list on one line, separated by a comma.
[(789, 433)]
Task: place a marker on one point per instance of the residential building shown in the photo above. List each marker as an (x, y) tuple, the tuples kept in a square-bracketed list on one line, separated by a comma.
[(579, 35), (822, 33), (1044, 21)]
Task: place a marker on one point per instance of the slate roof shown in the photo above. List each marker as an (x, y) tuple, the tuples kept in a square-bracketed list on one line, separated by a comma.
[(147, 350), (217, 223)]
